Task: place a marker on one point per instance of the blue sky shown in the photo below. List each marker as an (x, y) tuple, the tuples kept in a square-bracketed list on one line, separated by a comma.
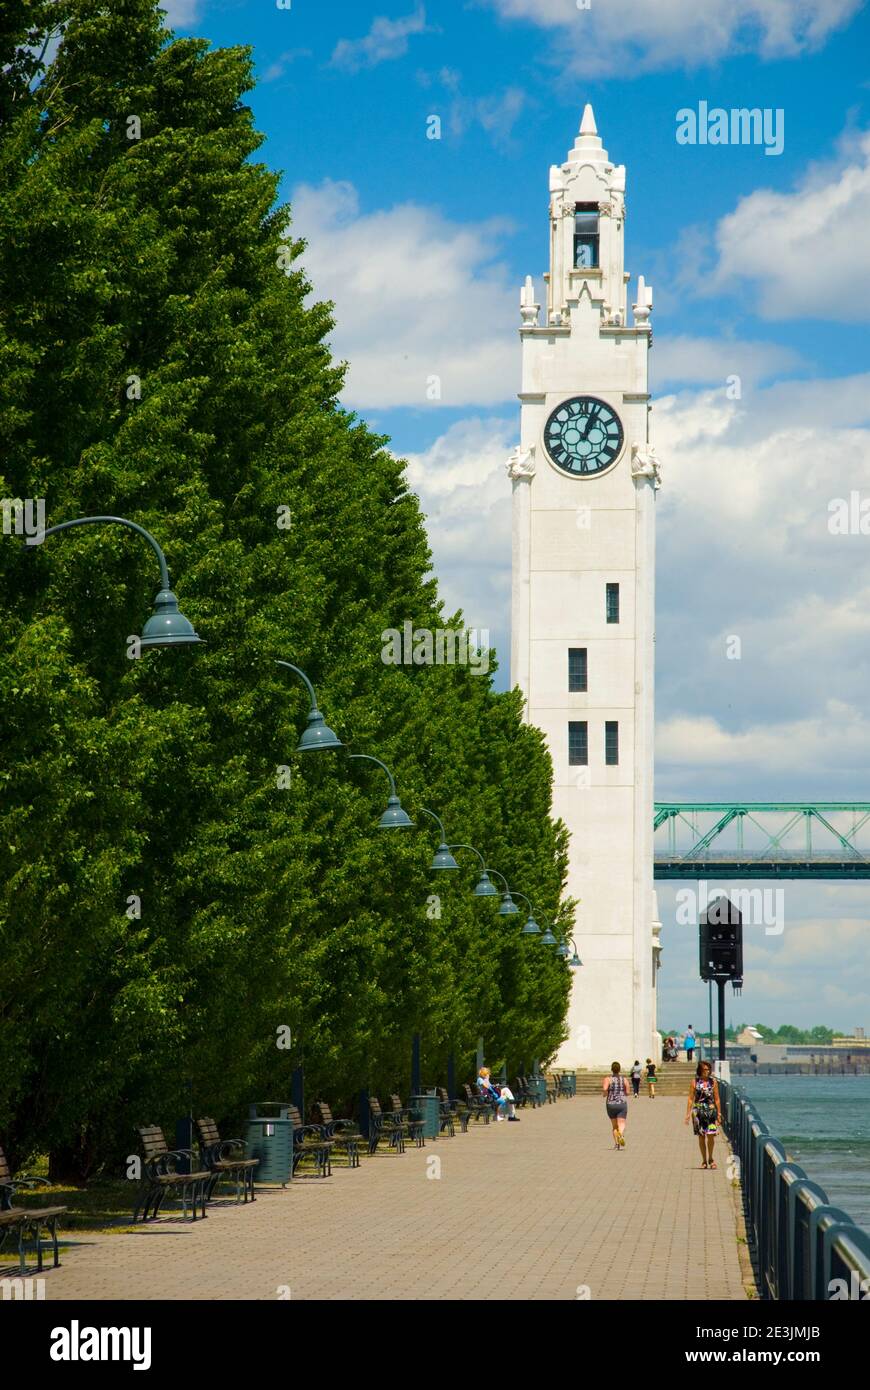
[(760, 266)]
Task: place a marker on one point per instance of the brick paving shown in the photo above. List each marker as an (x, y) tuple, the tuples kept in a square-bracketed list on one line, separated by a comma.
[(536, 1210)]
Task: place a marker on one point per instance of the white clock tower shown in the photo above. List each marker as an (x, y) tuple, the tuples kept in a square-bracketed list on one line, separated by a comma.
[(582, 651)]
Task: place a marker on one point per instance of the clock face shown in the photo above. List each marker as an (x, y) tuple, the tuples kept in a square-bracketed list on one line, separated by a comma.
[(583, 436)]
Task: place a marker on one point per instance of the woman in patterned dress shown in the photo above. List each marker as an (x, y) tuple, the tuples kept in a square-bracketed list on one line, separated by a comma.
[(705, 1110)]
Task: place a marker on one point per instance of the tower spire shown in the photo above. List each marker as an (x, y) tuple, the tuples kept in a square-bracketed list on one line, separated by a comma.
[(588, 147), (587, 125)]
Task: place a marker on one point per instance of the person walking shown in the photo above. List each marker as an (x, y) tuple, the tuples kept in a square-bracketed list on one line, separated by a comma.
[(615, 1094), (635, 1077), (690, 1045), (651, 1077), (705, 1111)]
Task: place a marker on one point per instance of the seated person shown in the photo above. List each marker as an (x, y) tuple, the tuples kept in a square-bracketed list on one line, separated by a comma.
[(501, 1096)]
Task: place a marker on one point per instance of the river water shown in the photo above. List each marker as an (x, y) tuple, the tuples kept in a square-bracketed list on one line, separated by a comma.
[(823, 1122)]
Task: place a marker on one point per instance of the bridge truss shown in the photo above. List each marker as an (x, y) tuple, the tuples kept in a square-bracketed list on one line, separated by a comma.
[(762, 839)]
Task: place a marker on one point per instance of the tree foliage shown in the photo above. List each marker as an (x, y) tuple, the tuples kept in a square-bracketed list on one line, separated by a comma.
[(159, 360)]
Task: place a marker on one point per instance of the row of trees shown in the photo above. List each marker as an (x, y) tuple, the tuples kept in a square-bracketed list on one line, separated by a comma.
[(159, 361)]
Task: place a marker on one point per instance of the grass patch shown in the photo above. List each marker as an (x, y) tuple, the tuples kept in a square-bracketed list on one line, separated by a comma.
[(105, 1204)]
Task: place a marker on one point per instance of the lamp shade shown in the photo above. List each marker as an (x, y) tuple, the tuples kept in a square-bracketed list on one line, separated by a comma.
[(575, 960), (562, 949), (530, 927), (395, 816), (167, 626), (548, 939), (317, 734), (484, 887), (443, 859), (508, 907)]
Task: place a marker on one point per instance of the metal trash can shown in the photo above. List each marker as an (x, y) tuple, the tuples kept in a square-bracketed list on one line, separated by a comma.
[(426, 1107), (270, 1139)]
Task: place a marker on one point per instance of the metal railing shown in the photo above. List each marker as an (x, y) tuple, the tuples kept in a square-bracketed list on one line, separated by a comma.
[(804, 1248)]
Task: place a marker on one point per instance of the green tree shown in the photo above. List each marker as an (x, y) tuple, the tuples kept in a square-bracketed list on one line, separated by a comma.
[(159, 361)]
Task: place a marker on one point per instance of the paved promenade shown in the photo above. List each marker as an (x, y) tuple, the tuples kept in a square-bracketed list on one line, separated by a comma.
[(538, 1210)]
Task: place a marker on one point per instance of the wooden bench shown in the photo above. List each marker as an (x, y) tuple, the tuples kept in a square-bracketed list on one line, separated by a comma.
[(160, 1176), (226, 1158), (342, 1133), (23, 1219), (453, 1109), (525, 1095), (310, 1142), (480, 1107), (414, 1124), (389, 1127)]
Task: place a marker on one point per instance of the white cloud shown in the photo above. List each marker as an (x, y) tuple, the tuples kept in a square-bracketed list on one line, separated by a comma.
[(466, 498), (496, 114), (806, 253), (684, 359), (277, 68), (417, 296), (181, 14), (635, 36), (745, 551), (387, 39)]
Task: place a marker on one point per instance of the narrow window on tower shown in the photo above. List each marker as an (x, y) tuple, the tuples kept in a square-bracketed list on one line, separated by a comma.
[(577, 669), (611, 743), (613, 603), (586, 236), (578, 743)]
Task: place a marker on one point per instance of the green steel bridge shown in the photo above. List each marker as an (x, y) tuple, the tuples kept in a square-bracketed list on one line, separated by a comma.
[(762, 839)]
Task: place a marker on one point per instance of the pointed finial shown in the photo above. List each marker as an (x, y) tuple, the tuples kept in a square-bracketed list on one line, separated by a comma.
[(587, 125)]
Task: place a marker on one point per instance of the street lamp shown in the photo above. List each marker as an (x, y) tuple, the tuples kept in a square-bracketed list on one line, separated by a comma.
[(530, 927), (548, 939), (394, 816), (443, 859), (317, 733), (167, 626), (484, 887), (507, 907)]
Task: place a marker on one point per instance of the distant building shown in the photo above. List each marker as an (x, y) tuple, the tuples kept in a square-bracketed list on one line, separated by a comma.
[(749, 1037)]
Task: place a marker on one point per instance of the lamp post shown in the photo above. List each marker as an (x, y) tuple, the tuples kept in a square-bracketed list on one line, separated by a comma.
[(507, 906), (317, 733), (395, 816), (484, 887), (443, 859), (167, 626), (530, 927), (562, 951), (548, 939)]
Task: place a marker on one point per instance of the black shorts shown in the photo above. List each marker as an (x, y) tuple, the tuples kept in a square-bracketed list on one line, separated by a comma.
[(617, 1109)]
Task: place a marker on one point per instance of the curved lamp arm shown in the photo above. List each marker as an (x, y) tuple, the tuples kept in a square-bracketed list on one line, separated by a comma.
[(317, 734), (369, 759), (525, 900), (474, 851), (507, 886), (118, 521), (291, 667), (438, 821)]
